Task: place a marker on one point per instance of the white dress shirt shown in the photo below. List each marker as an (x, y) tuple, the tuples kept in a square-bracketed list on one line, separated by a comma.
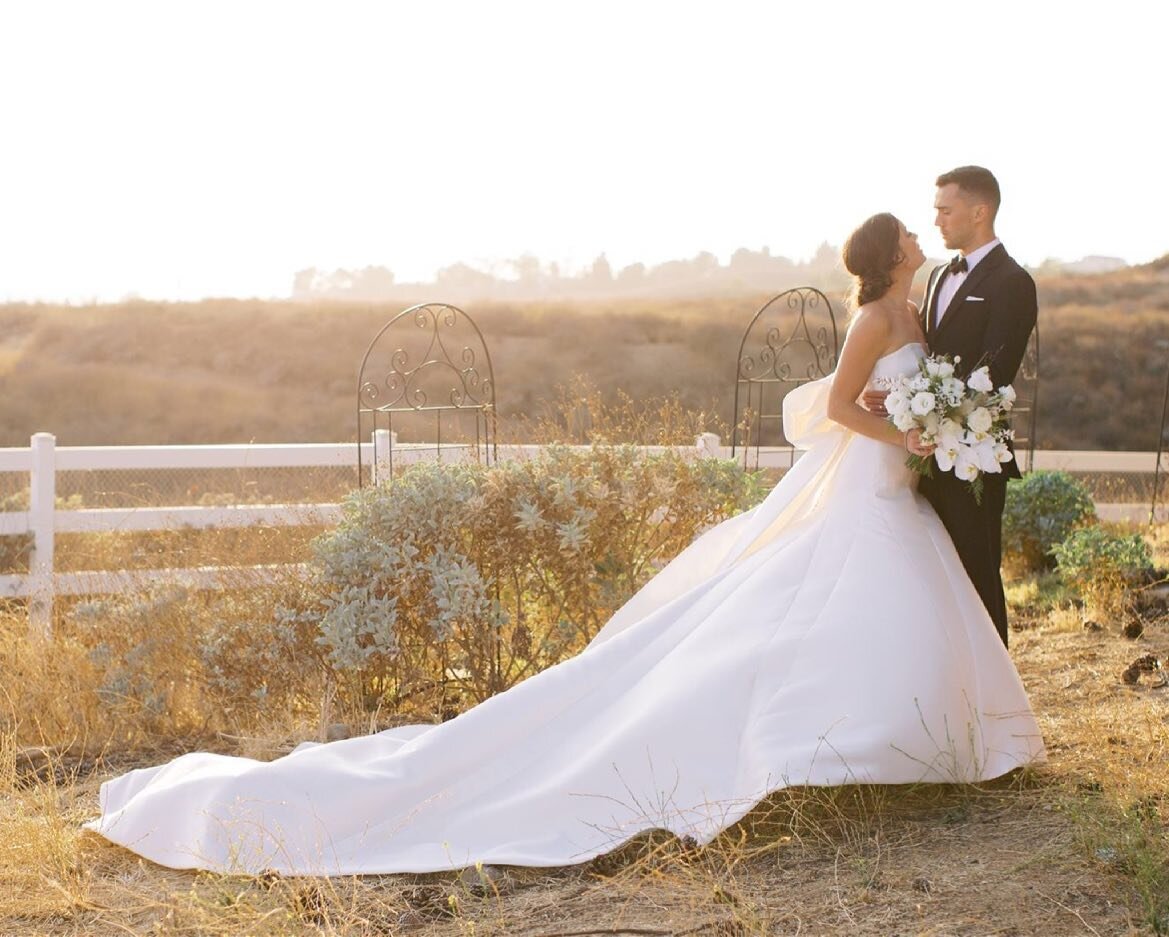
[(951, 282)]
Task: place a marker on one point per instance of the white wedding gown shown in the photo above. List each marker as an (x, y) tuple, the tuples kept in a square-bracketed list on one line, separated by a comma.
[(830, 636)]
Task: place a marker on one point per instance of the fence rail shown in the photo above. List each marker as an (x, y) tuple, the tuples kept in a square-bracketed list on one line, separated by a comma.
[(42, 460)]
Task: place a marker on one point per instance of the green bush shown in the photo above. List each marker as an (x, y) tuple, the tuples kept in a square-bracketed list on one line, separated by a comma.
[(457, 581), (1101, 565), (1042, 509)]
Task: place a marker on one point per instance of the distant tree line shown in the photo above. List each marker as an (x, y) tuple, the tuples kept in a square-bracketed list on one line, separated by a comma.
[(528, 277)]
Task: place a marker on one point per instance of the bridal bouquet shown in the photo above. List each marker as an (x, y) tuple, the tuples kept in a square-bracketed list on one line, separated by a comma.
[(967, 420)]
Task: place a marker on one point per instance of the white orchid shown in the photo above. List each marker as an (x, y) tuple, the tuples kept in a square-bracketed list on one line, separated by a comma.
[(984, 454), (1008, 396), (966, 465), (1003, 453), (946, 453)]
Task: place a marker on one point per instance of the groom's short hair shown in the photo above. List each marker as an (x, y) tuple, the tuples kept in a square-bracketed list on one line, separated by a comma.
[(977, 182)]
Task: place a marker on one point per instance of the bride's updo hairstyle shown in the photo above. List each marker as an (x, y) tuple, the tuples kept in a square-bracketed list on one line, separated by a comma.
[(870, 254)]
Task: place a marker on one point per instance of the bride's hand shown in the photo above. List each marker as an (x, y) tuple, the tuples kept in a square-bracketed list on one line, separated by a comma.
[(914, 445), (874, 401)]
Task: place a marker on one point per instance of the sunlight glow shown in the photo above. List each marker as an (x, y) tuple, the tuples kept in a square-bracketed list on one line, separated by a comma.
[(186, 149)]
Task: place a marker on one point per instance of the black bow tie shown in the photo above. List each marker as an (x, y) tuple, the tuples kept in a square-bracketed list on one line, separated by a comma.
[(958, 265)]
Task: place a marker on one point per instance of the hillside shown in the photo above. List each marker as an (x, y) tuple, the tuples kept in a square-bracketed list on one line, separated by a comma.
[(239, 370)]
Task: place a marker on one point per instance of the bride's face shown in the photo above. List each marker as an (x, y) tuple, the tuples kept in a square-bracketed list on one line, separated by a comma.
[(912, 254)]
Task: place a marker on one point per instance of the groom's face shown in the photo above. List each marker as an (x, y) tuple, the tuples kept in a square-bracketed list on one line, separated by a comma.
[(957, 217)]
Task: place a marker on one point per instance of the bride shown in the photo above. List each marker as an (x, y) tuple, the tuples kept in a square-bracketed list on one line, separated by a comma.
[(829, 636)]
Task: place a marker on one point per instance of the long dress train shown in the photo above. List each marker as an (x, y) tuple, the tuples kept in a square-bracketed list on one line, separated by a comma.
[(829, 636)]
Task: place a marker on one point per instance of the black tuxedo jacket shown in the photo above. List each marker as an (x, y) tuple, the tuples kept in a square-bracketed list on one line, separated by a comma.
[(988, 321)]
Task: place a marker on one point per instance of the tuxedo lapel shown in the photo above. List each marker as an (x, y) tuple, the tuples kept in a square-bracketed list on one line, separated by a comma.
[(984, 268), (931, 300)]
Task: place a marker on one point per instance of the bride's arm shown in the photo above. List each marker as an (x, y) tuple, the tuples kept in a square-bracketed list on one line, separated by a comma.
[(866, 340)]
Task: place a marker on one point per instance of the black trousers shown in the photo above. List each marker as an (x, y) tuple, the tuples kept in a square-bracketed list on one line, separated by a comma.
[(977, 532)]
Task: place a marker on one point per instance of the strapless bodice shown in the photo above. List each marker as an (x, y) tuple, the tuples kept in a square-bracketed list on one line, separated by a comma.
[(897, 363)]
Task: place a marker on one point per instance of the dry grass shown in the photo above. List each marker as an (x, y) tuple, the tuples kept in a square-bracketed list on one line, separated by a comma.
[(1075, 847), (236, 371)]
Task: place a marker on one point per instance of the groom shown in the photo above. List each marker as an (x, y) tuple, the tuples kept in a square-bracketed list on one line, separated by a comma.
[(982, 307)]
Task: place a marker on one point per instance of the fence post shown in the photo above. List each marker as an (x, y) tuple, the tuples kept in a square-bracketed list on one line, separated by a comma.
[(708, 445), (384, 441), (42, 503)]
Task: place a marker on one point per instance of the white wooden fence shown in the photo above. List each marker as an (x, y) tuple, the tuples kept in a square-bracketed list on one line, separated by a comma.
[(43, 459)]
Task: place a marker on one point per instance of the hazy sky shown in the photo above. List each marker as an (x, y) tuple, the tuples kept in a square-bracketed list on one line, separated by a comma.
[(184, 149)]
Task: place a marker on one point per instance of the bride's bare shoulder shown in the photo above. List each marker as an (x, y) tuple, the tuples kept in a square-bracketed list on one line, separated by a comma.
[(870, 327), (874, 319)]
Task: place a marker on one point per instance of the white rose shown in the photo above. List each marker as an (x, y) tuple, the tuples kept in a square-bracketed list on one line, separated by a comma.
[(980, 420), (923, 402), (945, 369), (896, 402), (904, 421), (980, 380), (932, 367)]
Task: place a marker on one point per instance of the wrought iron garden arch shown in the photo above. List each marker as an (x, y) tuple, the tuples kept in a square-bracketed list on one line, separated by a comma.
[(798, 342), (414, 369)]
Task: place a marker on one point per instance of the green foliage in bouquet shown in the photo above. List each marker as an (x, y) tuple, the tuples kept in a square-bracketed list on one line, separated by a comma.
[(1101, 565), (457, 581), (1042, 509)]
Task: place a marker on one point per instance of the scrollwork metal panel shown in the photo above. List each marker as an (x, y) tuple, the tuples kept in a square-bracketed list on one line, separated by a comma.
[(791, 340), (1025, 415), (427, 362), (1157, 470)]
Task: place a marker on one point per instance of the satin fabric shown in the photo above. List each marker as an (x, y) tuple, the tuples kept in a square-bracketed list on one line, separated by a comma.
[(829, 636)]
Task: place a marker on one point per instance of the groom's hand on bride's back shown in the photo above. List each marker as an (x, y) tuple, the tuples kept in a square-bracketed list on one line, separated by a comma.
[(874, 401)]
